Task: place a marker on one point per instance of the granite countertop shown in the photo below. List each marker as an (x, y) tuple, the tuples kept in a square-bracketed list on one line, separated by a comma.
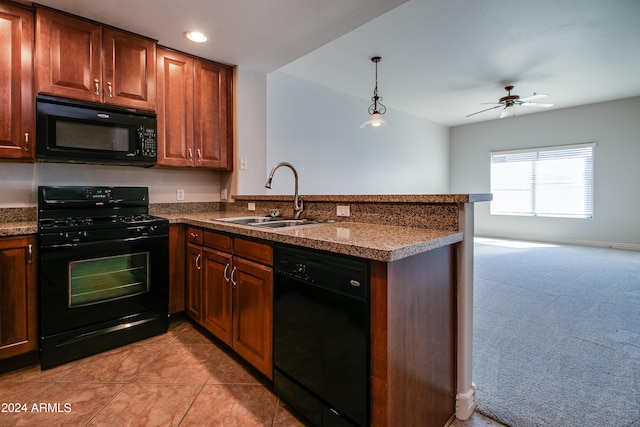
[(17, 228), (372, 241)]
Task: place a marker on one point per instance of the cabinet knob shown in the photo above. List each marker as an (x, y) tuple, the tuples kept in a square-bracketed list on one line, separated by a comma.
[(97, 91)]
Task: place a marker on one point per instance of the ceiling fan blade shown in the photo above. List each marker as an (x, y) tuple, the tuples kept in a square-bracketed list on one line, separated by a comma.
[(508, 111), (482, 111), (536, 104), (534, 96)]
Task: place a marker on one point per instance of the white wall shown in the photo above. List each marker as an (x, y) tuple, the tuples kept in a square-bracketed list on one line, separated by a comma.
[(613, 126), (250, 132), (317, 130)]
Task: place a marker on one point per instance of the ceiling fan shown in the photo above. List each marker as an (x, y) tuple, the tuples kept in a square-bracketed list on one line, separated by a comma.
[(509, 103)]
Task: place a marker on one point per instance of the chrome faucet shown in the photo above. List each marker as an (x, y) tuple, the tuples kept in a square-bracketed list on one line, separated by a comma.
[(297, 200)]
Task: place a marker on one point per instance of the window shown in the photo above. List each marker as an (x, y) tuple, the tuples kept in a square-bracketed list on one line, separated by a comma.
[(550, 181)]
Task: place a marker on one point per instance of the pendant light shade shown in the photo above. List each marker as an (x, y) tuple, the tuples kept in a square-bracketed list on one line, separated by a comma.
[(376, 110)]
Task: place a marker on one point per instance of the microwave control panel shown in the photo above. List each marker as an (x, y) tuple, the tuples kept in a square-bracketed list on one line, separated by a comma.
[(148, 141)]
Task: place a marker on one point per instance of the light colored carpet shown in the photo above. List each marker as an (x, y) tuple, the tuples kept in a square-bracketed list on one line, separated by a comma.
[(557, 334)]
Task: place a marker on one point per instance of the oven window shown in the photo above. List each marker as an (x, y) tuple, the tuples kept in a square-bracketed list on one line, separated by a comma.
[(104, 279), (91, 137)]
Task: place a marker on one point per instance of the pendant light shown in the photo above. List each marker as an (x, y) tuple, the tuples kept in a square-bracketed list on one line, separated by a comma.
[(376, 110)]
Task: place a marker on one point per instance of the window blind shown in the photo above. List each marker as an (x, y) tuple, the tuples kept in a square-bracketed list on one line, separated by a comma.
[(549, 181)]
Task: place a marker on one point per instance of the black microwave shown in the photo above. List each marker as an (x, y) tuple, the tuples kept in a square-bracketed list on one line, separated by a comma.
[(83, 132)]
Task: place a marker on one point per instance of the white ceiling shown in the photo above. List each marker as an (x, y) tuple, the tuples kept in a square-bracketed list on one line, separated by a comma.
[(440, 58)]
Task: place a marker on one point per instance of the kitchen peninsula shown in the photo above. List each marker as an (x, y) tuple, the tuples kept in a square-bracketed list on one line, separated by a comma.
[(420, 249), (421, 253)]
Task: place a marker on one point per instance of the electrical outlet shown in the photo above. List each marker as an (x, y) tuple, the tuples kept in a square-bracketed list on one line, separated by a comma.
[(223, 194), (251, 206), (179, 194), (243, 164), (343, 210)]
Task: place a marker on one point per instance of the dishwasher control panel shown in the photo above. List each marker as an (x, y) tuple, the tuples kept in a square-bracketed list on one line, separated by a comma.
[(334, 272)]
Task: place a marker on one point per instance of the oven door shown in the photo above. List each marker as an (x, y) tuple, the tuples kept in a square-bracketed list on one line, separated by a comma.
[(95, 292)]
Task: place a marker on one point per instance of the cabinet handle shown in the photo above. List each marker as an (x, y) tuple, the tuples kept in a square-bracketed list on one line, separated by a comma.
[(190, 155), (198, 261), (27, 142), (97, 91), (110, 89), (30, 254), (199, 155), (193, 235), (233, 278), (226, 270)]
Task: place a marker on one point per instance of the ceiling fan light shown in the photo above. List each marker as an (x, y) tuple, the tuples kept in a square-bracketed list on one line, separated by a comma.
[(509, 111), (375, 120)]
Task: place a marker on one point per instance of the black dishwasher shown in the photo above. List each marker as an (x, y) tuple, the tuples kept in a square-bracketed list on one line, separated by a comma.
[(321, 335)]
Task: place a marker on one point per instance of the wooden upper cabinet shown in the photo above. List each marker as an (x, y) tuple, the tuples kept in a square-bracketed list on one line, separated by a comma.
[(83, 60), (68, 56), (129, 70), (213, 115), (16, 83), (195, 112), (175, 108)]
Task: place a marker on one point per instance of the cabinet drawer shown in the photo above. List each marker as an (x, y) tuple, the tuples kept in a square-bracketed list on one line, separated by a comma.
[(194, 235), (255, 251), (218, 241)]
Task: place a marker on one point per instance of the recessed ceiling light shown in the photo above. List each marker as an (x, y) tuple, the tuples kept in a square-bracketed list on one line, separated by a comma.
[(196, 36)]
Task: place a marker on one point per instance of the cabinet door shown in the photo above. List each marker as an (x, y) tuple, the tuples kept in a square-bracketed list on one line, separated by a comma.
[(16, 87), (213, 115), (129, 70), (18, 333), (216, 293), (68, 56), (253, 313), (174, 92), (194, 282)]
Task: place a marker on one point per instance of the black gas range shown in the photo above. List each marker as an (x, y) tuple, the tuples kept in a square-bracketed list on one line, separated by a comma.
[(103, 278)]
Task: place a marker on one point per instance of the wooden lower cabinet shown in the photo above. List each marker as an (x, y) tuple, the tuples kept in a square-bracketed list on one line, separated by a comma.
[(16, 83), (231, 296), (217, 294), (18, 287), (253, 314)]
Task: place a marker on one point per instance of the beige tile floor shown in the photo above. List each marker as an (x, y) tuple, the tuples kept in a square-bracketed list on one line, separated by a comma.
[(179, 378)]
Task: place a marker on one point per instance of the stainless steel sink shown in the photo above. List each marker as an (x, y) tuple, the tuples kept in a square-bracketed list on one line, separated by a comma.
[(272, 222), (246, 220)]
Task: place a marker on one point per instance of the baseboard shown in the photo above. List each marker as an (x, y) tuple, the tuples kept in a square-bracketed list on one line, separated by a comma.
[(591, 243), (466, 403)]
